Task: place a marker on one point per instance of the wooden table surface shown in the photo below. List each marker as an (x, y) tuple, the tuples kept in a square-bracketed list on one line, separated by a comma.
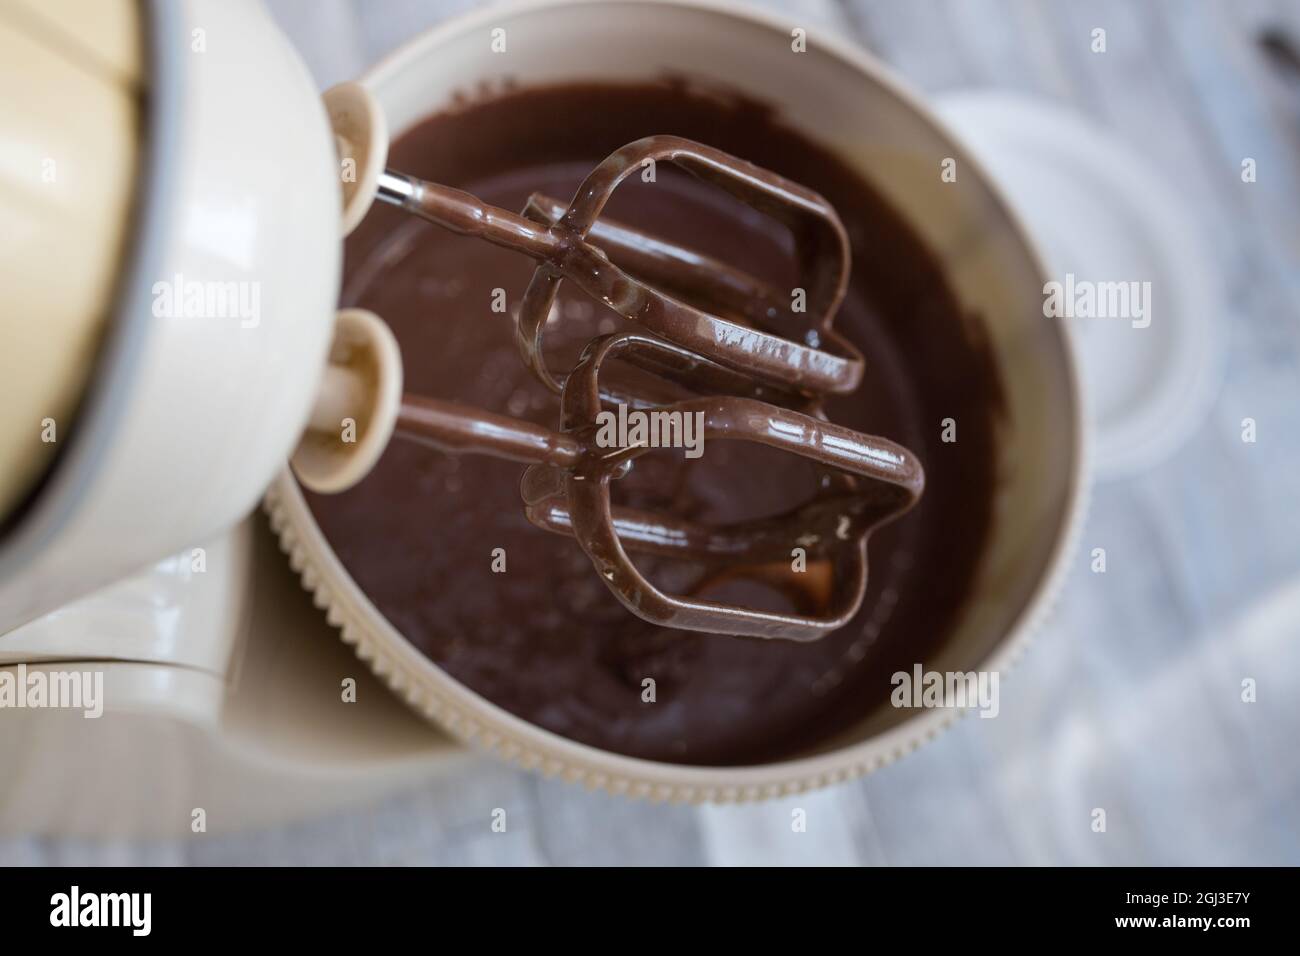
[(1130, 698)]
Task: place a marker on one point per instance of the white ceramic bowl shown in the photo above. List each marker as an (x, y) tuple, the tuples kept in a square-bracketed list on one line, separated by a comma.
[(839, 96)]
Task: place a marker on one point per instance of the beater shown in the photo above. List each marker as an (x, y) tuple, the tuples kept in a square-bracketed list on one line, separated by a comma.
[(715, 338)]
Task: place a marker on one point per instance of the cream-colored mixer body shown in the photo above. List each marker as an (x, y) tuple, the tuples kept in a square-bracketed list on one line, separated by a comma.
[(67, 177), (219, 289)]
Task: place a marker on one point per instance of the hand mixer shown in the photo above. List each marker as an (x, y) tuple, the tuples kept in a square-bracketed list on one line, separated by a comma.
[(718, 336)]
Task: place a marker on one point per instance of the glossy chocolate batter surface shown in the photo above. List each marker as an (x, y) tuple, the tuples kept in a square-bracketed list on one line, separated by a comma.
[(545, 639)]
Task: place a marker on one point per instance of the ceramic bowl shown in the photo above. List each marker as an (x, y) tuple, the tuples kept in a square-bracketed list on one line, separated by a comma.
[(839, 96)]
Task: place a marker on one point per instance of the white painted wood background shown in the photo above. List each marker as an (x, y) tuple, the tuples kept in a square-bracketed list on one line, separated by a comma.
[(1130, 698)]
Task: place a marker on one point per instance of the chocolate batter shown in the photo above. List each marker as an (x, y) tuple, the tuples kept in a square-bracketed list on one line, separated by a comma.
[(545, 639)]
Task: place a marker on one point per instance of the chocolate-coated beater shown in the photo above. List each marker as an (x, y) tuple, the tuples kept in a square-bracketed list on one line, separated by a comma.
[(623, 268), (715, 311), (868, 481), (715, 332)]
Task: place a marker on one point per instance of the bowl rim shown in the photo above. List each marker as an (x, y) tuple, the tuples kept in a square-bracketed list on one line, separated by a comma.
[(478, 721)]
